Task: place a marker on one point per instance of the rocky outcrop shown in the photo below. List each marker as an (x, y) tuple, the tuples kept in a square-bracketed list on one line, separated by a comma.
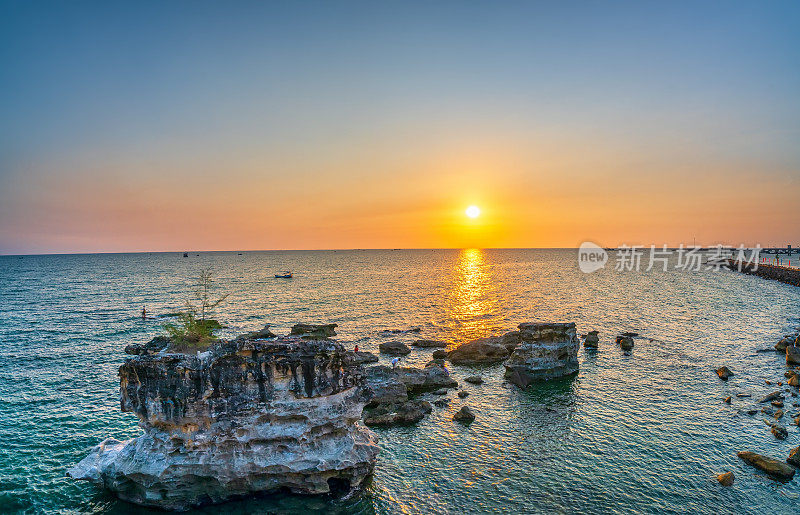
[(591, 340), (243, 417), (483, 351), (261, 334), (389, 391), (314, 330), (776, 469), (361, 357), (394, 348), (547, 351)]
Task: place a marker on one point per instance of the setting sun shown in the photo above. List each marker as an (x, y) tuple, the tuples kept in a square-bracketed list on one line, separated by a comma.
[(473, 211)]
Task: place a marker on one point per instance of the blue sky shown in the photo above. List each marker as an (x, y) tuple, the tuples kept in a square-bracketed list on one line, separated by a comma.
[(165, 106)]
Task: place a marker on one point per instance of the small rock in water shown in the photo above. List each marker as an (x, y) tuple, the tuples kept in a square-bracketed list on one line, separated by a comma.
[(743, 395), (439, 354), (441, 391), (724, 373), (726, 479), (394, 348), (752, 411), (441, 403), (794, 381), (779, 414), (474, 379), (780, 432), (772, 396), (464, 415), (625, 342), (777, 403), (728, 399), (767, 381), (591, 340), (463, 393), (776, 469)]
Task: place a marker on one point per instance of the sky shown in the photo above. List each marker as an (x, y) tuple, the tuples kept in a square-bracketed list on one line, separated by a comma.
[(171, 126)]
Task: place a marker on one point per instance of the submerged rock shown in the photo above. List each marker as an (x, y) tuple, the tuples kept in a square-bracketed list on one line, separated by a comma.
[(483, 351), (724, 373), (726, 479), (394, 348), (314, 330), (464, 415), (772, 396), (439, 354), (426, 344), (776, 469), (463, 393), (547, 351), (243, 417), (474, 379)]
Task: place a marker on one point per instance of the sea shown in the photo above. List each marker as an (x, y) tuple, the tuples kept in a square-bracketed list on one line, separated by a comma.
[(645, 432)]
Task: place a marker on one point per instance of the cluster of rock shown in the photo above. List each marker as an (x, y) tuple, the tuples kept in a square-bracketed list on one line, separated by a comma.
[(391, 392), (244, 416), (774, 404)]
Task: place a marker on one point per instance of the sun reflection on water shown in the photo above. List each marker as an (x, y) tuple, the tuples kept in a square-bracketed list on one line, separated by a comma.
[(473, 297)]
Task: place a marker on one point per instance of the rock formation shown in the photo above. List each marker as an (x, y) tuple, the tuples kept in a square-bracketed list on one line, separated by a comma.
[(390, 392), (547, 351), (776, 469), (244, 416), (792, 355)]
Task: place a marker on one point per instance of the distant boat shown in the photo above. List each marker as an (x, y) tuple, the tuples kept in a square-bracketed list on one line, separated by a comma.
[(185, 254), (284, 275)]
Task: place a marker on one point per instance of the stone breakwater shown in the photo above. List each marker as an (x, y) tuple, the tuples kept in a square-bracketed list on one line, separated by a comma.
[(243, 417), (777, 273)]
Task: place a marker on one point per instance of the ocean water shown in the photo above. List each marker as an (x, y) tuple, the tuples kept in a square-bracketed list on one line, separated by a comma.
[(644, 433)]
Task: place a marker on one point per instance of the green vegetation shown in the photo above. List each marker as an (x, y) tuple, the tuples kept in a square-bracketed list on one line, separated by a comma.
[(194, 331)]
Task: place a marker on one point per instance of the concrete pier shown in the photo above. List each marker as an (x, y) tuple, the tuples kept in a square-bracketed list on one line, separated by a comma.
[(783, 274)]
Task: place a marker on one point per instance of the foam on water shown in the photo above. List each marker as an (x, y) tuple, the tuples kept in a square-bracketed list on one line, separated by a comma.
[(644, 433)]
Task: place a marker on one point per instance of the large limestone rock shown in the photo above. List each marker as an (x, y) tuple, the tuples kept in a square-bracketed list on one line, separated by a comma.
[(482, 351), (547, 351), (243, 417)]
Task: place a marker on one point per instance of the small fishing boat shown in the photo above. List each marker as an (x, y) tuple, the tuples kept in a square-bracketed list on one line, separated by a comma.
[(284, 275)]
